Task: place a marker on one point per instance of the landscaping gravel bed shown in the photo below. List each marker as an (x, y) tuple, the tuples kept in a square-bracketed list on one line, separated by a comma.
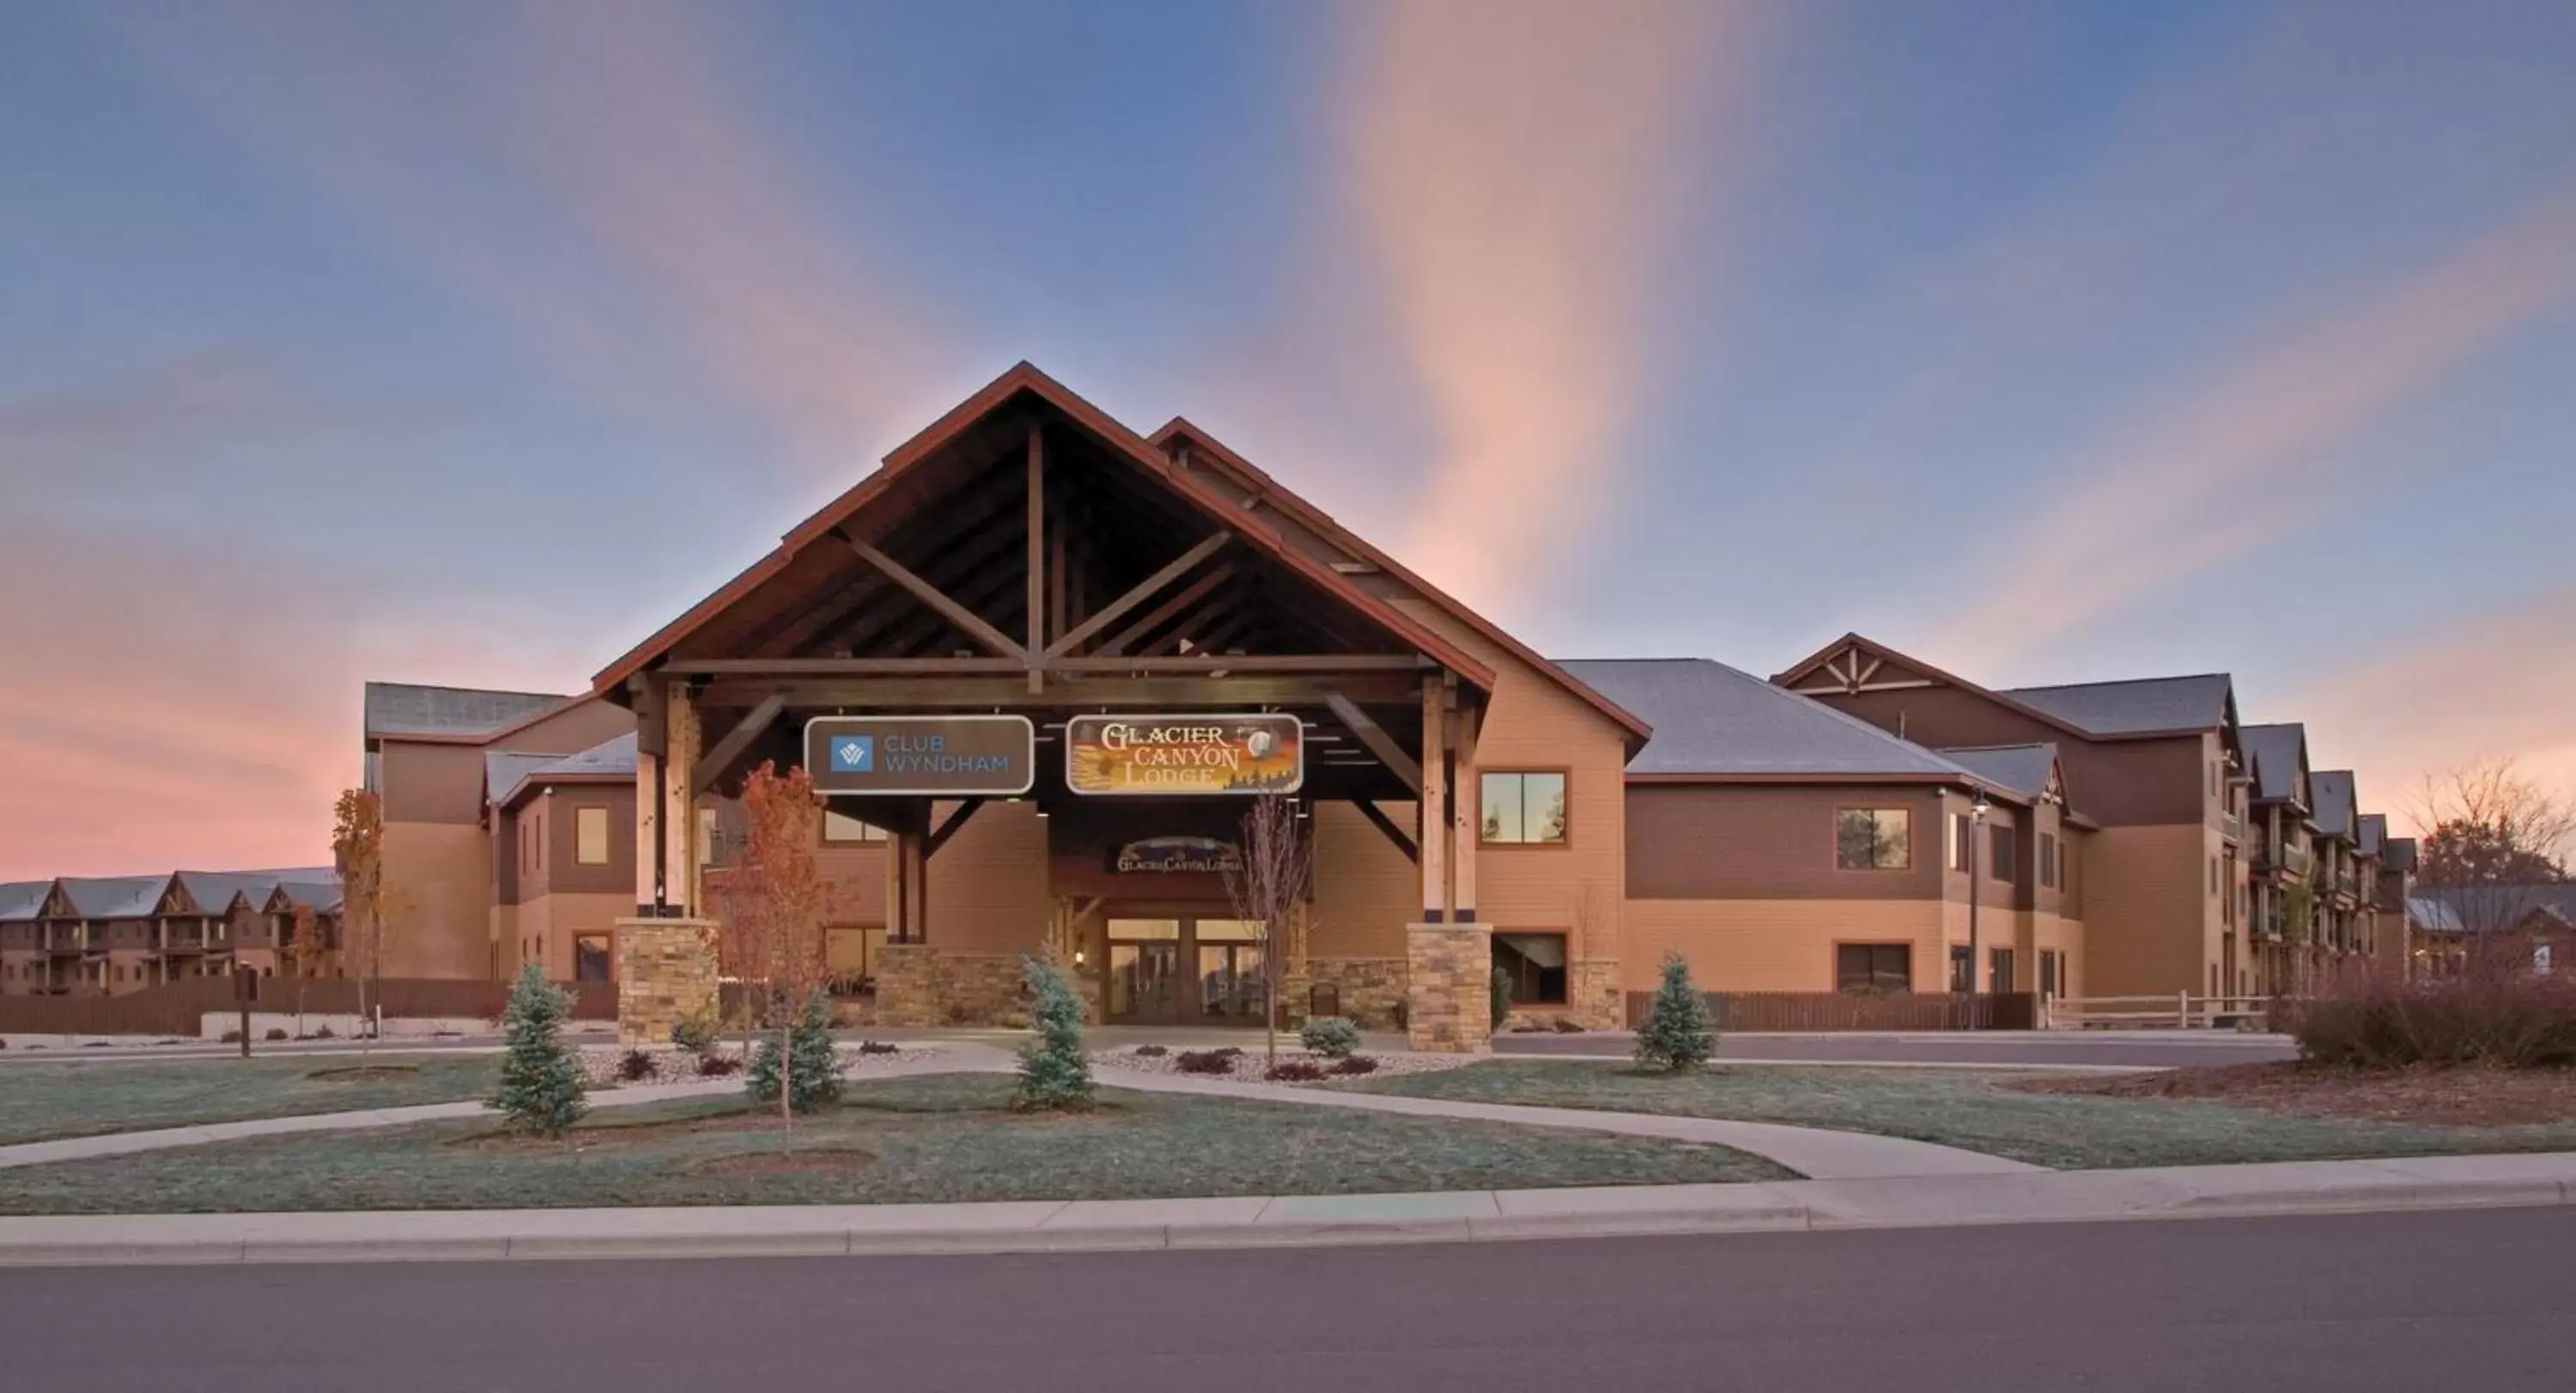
[(605, 1065), (1251, 1063)]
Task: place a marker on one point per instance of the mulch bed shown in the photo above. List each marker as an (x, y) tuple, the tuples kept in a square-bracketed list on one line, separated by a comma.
[(2438, 1097)]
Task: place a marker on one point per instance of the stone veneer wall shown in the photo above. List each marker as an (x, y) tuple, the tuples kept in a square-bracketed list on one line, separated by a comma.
[(666, 973), (919, 985), (1371, 989), (1594, 1000), (1449, 971)]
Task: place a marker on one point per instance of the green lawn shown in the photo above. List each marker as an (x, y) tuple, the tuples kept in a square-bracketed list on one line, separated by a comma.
[(40, 1102), (1971, 1110), (943, 1138)]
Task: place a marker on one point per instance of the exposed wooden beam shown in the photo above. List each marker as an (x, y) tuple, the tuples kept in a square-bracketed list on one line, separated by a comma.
[(1138, 594), (1403, 841), (965, 619), (950, 826), (711, 767), (842, 667), (837, 605), (1249, 662), (645, 697), (1161, 614), (977, 593), (1373, 735), (1069, 692), (1037, 556), (851, 628)]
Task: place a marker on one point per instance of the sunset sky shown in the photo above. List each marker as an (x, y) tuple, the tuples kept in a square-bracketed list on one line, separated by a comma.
[(466, 343)]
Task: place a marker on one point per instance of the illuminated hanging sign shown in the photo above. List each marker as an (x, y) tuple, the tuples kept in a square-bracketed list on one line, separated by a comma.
[(1188, 754), (942, 756)]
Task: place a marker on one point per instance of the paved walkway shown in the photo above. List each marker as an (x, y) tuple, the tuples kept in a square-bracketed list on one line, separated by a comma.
[(1814, 1152), (2447, 1182)]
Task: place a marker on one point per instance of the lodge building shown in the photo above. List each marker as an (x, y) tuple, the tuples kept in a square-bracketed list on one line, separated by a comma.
[(1150, 627)]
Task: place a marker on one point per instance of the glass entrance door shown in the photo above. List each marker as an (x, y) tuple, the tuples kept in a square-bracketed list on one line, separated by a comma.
[(1231, 983), (1144, 972)]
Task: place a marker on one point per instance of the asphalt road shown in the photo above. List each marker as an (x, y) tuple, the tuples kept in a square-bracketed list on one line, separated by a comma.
[(2461, 1300), (2143, 1051)]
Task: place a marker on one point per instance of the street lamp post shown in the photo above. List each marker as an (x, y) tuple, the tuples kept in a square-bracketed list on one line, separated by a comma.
[(1976, 839)]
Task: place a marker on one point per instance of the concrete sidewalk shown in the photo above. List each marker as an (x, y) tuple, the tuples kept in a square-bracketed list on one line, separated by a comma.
[(1295, 1221)]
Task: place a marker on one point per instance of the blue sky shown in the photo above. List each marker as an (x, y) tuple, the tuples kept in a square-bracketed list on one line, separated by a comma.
[(2054, 342)]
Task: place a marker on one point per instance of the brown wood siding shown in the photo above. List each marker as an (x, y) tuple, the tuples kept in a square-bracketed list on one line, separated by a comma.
[(1717, 842), (2115, 783), (988, 885), (431, 783), (564, 873)]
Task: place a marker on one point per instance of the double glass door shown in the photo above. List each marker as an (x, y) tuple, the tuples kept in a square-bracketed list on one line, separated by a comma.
[(1185, 969)]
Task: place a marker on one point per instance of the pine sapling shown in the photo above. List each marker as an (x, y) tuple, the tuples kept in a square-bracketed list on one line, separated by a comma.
[(541, 1088), (1055, 1074), (811, 1064), (1678, 1034)]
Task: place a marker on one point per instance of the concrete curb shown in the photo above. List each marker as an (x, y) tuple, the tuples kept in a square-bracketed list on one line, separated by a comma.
[(1077, 1226)]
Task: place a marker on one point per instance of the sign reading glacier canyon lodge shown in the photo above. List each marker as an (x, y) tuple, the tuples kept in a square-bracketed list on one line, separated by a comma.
[(1187, 754)]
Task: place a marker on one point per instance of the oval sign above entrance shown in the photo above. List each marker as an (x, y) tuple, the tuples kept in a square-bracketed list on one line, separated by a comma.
[(1194, 753), (937, 755)]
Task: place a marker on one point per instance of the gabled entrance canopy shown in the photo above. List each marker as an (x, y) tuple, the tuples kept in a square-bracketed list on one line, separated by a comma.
[(1027, 553)]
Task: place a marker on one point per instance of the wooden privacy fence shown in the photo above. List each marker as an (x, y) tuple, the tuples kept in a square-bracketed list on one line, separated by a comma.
[(1822, 1011), (177, 1008)]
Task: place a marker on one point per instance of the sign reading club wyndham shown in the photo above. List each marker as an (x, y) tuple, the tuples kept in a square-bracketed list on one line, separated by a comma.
[(941, 756)]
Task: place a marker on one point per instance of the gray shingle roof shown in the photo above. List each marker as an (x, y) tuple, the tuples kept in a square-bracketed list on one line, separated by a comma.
[(2399, 854), (506, 774), (20, 899), (2275, 750), (2135, 707), (397, 708), (2430, 913), (2023, 769), (2373, 837), (115, 897), (2336, 810), (1711, 719), (321, 896), (2479, 907), (213, 891)]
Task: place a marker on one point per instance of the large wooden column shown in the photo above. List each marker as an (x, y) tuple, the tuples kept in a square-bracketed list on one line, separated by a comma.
[(1437, 835), (681, 747), (651, 732), (1463, 814)]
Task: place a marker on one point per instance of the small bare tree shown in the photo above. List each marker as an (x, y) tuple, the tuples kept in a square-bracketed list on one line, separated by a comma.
[(358, 853), (2489, 836), (1267, 883), (770, 906), (304, 955)]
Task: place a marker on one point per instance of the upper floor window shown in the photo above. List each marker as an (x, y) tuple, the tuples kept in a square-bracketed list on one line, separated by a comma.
[(2047, 861), (1873, 839), (2002, 867), (590, 836), (841, 829), (1956, 841), (1521, 808)]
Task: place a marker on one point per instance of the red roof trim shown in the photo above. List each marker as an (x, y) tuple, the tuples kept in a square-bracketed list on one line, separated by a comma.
[(1273, 494)]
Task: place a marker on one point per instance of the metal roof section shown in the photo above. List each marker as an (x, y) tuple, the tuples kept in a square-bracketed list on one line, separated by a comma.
[(609, 759), (320, 896), (212, 892), (399, 708), (115, 897), (2336, 812), (2137, 706), (1710, 719), (20, 899), (2276, 751), (2373, 836), (2023, 769), (2426, 912)]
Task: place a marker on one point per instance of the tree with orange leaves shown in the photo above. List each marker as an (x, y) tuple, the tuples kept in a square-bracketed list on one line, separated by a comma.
[(770, 908)]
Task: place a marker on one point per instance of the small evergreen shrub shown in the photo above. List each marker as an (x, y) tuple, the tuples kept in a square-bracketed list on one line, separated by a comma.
[(1677, 1034), (635, 1066), (1333, 1037), (1294, 1071), (1354, 1064), (1502, 992), (232, 1037), (813, 1064), (1055, 1074), (1205, 1062), (697, 1034), (323, 1032), (541, 1087)]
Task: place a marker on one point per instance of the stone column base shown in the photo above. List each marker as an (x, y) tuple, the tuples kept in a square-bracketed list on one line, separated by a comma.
[(1449, 1004), (907, 986), (666, 973), (1594, 998)]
